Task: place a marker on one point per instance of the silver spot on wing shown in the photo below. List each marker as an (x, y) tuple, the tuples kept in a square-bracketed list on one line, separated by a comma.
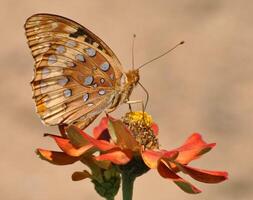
[(105, 66), (60, 49), (101, 92), (91, 52), (67, 93), (63, 81), (88, 80), (85, 97), (52, 59), (71, 43), (80, 57)]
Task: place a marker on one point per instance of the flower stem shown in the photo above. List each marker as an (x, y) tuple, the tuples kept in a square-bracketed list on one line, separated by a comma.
[(127, 186), (111, 198)]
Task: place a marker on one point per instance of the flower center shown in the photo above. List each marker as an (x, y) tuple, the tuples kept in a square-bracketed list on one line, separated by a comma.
[(140, 124)]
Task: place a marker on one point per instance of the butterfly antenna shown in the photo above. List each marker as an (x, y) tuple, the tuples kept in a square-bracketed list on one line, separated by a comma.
[(146, 63), (147, 96), (134, 36)]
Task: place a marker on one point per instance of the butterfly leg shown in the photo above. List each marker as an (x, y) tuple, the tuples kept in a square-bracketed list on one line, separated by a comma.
[(142, 104), (129, 106), (135, 102)]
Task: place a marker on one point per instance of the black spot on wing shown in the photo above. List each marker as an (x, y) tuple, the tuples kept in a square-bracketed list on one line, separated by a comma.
[(89, 40), (100, 48), (79, 32)]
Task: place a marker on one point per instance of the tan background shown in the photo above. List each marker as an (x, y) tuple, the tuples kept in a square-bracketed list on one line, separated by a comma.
[(204, 86)]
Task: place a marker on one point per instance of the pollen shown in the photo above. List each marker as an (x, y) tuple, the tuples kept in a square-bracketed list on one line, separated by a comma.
[(140, 124)]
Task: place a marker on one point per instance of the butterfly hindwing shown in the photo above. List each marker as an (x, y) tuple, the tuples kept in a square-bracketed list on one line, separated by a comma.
[(76, 73)]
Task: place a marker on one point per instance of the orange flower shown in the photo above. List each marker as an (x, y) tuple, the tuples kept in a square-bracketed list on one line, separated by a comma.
[(169, 163), (103, 174), (132, 145)]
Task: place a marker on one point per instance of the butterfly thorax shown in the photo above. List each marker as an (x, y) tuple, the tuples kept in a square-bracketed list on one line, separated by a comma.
[(131, 79)]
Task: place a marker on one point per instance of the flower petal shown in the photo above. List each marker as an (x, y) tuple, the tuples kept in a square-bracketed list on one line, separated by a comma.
[(165, 172), (152, 158), (100, 144), (155, 129), (77, 176), (98, 130), (68, 148), (205, 176), (116, 156), (121, 135), (193, 148), (57, 158)]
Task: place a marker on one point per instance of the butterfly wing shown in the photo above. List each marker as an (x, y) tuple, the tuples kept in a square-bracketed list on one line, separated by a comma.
[(76, 74)]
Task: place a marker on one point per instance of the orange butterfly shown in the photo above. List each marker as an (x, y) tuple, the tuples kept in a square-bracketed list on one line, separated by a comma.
[(76, 75)]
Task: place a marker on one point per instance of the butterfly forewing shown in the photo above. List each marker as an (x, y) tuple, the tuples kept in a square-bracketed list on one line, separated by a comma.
[(76, 73)]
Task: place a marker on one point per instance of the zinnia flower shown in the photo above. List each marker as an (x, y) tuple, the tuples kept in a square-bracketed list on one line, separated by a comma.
[(131, 144)]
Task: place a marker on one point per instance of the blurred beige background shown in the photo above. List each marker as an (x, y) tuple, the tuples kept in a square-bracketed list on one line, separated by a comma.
[(204, 86)]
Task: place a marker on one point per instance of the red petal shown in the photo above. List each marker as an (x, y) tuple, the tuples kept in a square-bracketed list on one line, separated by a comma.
[(155, 129), (116, 156), (98, 130), (121, 135), (100, 144), (77, 176), (57, 158), (152, 158), (193, 148), (165, 172), (68, 148), (204, 176)]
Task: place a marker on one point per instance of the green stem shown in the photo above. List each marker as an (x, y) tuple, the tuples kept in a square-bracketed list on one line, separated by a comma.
[(127, 186), (111, 198)]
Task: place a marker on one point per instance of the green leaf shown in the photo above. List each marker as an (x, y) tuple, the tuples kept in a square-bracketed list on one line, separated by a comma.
[(187, 187), (75, 136)]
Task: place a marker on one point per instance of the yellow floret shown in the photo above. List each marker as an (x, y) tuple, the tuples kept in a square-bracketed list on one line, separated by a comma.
[(140, 117)]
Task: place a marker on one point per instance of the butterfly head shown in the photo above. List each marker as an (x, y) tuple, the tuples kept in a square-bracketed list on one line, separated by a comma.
[(133, 77)]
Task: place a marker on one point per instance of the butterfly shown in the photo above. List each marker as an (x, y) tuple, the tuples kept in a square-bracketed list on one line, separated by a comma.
[(76, 75)]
